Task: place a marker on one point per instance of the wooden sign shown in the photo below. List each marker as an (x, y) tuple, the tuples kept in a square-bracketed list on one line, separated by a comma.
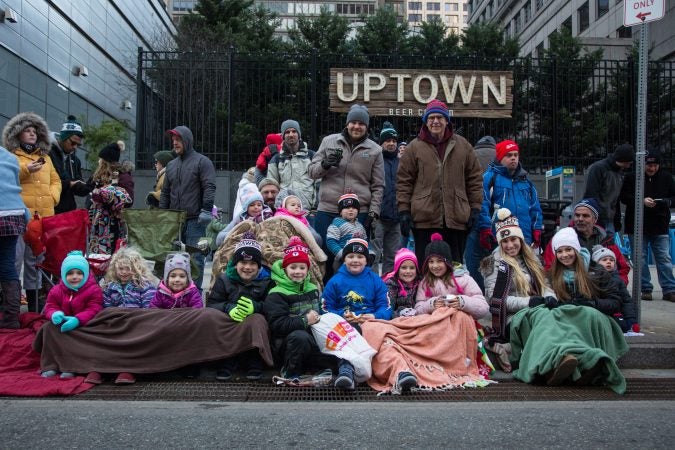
[(391, 92)]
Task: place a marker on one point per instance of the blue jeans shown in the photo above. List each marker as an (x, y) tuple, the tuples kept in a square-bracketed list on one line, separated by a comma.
[(473, 254), (7, 257), (660, 245), (192, 231)]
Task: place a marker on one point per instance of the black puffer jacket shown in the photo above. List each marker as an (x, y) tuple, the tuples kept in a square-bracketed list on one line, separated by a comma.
[(657, 219), (609, 300), (603, 183), (226, 292)]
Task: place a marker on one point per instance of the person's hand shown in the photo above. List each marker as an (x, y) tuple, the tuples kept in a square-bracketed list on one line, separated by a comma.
[(473, 218), (34, 166), (487, 239), (536, 238), (350, 317), (455, 302), (245, 305), (58, 317), (236, 314), (205, 217), (312, 317), (551, 302), (372, 217), (407, 312), (405, 222), (151, 200), (332, 159), (536, 300), (365, 317), (437, 302), (71, 322)]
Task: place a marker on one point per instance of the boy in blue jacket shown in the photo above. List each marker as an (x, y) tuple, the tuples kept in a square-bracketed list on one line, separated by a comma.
[(356, 293)]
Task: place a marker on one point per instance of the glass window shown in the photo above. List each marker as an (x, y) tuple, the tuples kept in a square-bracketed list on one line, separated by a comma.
[(465, 7), (583, 17), (624, 32), (538, 4), (603, 8), (415, 5), (454, 7), (465, 19), (567, 24), (540, 50), (433, 17), (516, 23), (414, 17), (433, 6), (452, 20), (527, 14)]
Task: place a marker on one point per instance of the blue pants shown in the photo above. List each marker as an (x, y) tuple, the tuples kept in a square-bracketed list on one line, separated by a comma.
[(7, 257), (660, 245), (473, 254), (192, 231)]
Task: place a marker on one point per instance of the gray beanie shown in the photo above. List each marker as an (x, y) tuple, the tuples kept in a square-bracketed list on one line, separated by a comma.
[(358, 113), (290, 123), (177, 261)]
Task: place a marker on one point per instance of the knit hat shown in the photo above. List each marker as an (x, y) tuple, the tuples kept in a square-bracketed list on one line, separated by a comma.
[(69, 128), (267, 181), (286, 124), (284, 195), (349, 200), (355, 245), (506, 225), (179, 260), (295, 252), (273, 138), (403, 255), (248, 249), (624, 153), (438, 247), (504, 147), (591, 204), (486, 141), (653, 156), (163, 156), (249, 194), (358, 113), (566, 237), (600, 252), (111, 152), (436, 107), (74, 260), (388, 132)]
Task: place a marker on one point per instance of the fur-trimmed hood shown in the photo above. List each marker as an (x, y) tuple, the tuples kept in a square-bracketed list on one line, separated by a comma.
[(127, 166), (18, 123)]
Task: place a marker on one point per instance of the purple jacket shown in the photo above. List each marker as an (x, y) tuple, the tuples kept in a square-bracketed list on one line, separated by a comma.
[(129, 295), (187, 298)]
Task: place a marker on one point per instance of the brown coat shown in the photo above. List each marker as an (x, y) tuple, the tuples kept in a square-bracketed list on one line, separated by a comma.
[(434, 190)]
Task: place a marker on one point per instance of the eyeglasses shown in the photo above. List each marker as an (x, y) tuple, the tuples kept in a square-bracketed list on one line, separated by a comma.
[(435, 119)]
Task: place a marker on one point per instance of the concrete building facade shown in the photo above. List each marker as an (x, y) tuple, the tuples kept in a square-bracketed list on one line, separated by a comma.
[(453, 13)]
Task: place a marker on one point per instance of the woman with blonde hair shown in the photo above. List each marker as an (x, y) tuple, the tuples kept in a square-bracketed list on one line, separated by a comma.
[(113, 191)]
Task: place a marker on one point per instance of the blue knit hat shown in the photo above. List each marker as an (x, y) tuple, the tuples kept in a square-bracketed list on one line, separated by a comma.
[(436, 107), (591, 204), (74, 260)]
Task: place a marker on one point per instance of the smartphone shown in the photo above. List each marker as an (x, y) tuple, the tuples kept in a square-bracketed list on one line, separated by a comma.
[(41, 160)]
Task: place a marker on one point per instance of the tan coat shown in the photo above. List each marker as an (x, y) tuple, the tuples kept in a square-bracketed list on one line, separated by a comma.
[(41, 190), (433, 190)]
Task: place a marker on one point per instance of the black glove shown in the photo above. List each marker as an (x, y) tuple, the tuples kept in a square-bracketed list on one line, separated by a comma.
[(473, 218), (372, 217), (536, 300), (152, 201), (551, 302), (405, 222), (582, 301), (331, 159)]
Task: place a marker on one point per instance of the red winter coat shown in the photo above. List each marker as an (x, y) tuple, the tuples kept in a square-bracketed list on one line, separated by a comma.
[(84, 303), (266, 155)]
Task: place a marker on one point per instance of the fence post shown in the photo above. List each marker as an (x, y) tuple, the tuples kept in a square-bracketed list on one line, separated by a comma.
[(230, 102), (140, 106), (554, 110), (313, 108)]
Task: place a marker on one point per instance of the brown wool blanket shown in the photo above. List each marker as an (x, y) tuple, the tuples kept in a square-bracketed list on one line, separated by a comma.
[(439, 349), (150, 340)]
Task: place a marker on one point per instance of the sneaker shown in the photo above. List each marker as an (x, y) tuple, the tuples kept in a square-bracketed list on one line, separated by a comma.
[(564, 370), (587, 377), (647, 296), (67, 375), (48, 373), (125, 378), (254, 374), (94, 378), (345, 378), (669, 297), (406, 381), (224, 375)]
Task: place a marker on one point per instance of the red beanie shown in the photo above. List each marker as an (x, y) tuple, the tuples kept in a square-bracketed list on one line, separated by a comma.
[(295, 252), (504, 147)]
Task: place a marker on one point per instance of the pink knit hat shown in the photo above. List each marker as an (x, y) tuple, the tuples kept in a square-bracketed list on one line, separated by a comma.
[(401, 256)]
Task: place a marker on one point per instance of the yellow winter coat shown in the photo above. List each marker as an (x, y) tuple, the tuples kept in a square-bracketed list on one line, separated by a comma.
[(41, 190)]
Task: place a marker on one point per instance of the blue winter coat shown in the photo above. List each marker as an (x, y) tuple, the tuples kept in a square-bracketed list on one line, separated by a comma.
[(364, 293), (517, 193), (389, 208), (129, 295)]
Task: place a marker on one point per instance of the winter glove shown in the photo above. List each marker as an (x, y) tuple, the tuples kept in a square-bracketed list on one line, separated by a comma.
[(405, 222), (205, 217), (71, 322), (473, 218), (151, 200), (536, 238), (236, 314), (582, 301), (58, 317), (551, 302), (487, 239), (536, 300), (245, 305), (372, 217), (407, 312), (332, 159)]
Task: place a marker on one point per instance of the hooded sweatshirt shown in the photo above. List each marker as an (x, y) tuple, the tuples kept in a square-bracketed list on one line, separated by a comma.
[(364, 293)]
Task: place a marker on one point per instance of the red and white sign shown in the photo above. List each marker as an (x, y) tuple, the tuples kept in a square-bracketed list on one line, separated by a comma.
[(637, 12)]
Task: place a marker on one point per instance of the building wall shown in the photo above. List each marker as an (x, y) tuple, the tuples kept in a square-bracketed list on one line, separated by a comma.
[(39, 53), (454, 13)]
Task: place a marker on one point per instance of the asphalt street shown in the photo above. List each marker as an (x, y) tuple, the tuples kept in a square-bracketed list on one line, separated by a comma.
[(110, 424)]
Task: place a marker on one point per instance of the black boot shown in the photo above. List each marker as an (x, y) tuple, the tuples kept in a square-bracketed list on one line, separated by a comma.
[(35, 303), (11, 294)]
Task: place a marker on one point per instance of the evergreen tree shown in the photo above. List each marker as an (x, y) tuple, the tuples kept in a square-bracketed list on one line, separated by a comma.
[(327, 33), (381, 33), (487, 40), (433, 41)]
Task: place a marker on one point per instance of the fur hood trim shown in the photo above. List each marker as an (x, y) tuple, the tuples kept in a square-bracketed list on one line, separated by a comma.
[(18, 123), (127, 166)]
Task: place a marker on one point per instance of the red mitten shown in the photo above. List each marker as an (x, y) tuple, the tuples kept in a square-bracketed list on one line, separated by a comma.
[(536, 238), (487, 239)]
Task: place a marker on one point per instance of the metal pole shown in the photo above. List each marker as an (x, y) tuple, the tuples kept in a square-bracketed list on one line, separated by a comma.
[(140, 107), (230, 103), (313, 109), (640, 166)]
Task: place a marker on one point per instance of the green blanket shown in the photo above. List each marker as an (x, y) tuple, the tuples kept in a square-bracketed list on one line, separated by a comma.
[(541, 337)]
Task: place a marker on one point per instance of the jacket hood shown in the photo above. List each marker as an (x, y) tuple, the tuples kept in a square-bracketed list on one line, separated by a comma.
[(18, 123), (285, 285), (188, 140), (501, 170), (127, 166)]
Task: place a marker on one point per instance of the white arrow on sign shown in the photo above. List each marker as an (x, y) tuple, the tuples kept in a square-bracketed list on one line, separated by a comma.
[(637, 12)]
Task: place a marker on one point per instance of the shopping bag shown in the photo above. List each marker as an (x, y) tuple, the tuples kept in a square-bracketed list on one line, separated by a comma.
[(335, 336)]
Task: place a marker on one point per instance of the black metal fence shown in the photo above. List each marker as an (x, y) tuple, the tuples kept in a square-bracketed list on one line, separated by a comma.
[(564, 113)]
